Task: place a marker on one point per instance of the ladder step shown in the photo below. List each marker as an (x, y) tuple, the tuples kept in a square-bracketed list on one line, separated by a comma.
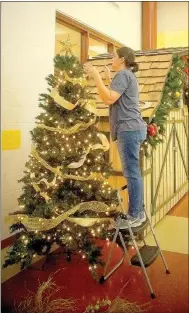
[(148, 255), (136, 230)]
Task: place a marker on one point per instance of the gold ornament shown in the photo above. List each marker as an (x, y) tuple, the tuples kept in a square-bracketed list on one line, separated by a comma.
[(177, 94), (67, 46)]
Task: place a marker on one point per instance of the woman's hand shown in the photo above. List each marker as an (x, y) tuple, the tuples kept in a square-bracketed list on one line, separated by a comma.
[(107, 73), (90, 70)]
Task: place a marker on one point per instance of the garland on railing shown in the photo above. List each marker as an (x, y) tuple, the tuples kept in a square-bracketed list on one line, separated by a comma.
[(171, 97)]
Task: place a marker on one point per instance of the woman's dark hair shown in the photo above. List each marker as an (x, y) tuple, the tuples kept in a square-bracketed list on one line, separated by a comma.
[(129, 57)]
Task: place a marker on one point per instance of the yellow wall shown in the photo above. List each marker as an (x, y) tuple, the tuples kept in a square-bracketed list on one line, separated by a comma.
[(169, 39)]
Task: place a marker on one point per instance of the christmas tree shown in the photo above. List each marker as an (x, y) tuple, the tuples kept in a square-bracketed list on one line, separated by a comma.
[(66, 198)]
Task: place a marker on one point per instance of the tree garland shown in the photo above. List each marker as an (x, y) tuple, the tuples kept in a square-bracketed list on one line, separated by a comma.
[(172, 94)]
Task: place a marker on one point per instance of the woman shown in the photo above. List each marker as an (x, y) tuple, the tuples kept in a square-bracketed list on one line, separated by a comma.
[(126, 125)]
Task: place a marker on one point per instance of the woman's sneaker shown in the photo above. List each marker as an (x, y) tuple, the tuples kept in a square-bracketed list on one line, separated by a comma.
[(142, 216), (134, 221), (123, 223)]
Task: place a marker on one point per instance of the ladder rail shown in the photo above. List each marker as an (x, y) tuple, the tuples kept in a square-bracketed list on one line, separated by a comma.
[(118, 233)]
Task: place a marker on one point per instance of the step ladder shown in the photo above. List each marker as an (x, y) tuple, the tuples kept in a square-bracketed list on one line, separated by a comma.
[(144, 256)]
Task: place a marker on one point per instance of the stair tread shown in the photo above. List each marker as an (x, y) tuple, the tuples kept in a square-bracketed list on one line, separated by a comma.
[(148, 255)]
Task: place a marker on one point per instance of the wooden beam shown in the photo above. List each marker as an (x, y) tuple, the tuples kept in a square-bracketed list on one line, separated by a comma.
[(76, 25), (84, 46), (111, 48), (149, 25)]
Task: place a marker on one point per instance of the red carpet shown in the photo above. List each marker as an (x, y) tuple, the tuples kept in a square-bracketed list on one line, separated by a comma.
[(76, 281)]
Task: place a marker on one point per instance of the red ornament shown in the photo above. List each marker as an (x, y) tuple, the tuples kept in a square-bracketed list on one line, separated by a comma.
[(186, 70), (152, 129)]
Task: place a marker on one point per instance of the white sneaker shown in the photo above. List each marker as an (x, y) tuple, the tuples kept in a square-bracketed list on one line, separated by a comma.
[(142, 216), (134, 221), (123, 223)]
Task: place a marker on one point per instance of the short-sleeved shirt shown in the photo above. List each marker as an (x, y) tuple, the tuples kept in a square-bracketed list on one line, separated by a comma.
[(124, 114)]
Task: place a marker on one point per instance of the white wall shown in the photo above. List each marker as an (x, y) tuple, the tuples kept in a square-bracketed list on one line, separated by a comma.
[(27, 51), (172, 24), (172, 16)]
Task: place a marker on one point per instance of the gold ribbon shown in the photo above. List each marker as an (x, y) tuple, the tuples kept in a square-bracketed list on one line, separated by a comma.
[(43, 194), (61, 101), (42, 224), (56, 170), (75, 81), (104, 146), (68, 131)]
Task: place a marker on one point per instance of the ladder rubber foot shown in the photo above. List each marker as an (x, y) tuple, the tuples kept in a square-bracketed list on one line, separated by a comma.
[(102, 280), (153, 295), (168, 272)]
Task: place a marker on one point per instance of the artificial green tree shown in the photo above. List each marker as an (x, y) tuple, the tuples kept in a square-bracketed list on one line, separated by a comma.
[(66, 199)]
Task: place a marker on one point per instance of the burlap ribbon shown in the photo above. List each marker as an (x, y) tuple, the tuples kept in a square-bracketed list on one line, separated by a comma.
[(104, 146), (56, 170), (41, 224), (68, 131)]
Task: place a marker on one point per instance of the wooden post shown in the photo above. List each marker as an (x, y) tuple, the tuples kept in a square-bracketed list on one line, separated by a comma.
[(149, 25), (84, 46), (111, 48)]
